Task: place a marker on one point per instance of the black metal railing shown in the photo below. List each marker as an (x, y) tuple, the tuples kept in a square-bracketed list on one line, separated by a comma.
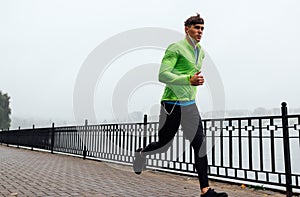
[(260, 150)]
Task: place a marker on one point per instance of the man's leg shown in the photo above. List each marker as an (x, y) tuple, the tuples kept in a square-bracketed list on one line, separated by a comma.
[(167, 129), (193, 131), (169, 121)]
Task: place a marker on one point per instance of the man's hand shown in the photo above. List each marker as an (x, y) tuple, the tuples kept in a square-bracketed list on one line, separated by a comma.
[(197, 79)]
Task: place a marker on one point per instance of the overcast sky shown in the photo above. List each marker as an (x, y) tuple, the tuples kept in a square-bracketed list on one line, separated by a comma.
[(254, 44)]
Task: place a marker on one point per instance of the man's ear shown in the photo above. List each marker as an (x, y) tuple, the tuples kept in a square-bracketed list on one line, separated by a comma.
[(186, 29)]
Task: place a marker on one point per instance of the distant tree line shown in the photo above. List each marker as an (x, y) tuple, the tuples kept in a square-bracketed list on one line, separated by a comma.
[(5, 111)]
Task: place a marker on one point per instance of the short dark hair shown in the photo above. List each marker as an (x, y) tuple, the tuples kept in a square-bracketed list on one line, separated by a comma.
[(193, 20)]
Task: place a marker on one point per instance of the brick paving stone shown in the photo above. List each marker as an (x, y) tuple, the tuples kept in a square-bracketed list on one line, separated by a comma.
[(32, 173)]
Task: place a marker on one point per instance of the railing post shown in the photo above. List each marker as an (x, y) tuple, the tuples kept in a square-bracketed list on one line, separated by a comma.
[(32, 137), (286, 144), (52, 138), (84, 141), (18, 137), (145, 130)]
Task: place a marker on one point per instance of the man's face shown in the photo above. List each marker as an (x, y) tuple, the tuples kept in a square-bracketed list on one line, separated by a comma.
[(195, 31)]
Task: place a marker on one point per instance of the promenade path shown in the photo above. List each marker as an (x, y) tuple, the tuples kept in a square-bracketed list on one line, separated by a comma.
[(33, 173)]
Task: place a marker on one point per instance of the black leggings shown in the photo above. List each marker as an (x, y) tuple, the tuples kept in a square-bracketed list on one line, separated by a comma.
[(190, 120)]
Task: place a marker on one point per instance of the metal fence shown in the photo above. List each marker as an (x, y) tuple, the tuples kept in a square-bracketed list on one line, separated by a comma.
[(260, 150)]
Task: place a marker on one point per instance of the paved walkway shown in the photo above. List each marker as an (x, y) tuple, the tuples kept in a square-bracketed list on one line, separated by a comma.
[(32, 173)]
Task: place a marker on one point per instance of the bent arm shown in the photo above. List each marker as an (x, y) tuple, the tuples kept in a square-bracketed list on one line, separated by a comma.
[(167, 68)]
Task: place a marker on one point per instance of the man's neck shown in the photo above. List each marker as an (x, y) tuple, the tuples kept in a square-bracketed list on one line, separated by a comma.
[(191, 41)]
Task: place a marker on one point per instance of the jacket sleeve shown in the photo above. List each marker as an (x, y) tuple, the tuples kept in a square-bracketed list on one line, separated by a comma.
[(167, 68)]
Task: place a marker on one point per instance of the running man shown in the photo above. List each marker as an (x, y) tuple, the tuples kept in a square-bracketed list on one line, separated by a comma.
[(181, 72)]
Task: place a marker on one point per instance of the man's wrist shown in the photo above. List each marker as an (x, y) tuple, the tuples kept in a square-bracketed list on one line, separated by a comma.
[(189, 78)]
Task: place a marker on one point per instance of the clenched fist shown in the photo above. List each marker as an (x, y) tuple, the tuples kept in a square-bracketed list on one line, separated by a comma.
[(197, 79)]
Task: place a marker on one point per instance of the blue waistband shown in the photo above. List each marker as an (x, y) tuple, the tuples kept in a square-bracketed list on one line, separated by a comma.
[(180, 103)]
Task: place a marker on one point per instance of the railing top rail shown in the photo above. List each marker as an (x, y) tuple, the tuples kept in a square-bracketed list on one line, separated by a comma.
[(243, 118), (155, 122)]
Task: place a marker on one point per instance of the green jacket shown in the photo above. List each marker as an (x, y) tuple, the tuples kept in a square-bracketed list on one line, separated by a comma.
[(178, 65)]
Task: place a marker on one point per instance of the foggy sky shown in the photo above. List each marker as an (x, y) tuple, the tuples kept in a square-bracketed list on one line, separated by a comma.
[(43, 44)]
